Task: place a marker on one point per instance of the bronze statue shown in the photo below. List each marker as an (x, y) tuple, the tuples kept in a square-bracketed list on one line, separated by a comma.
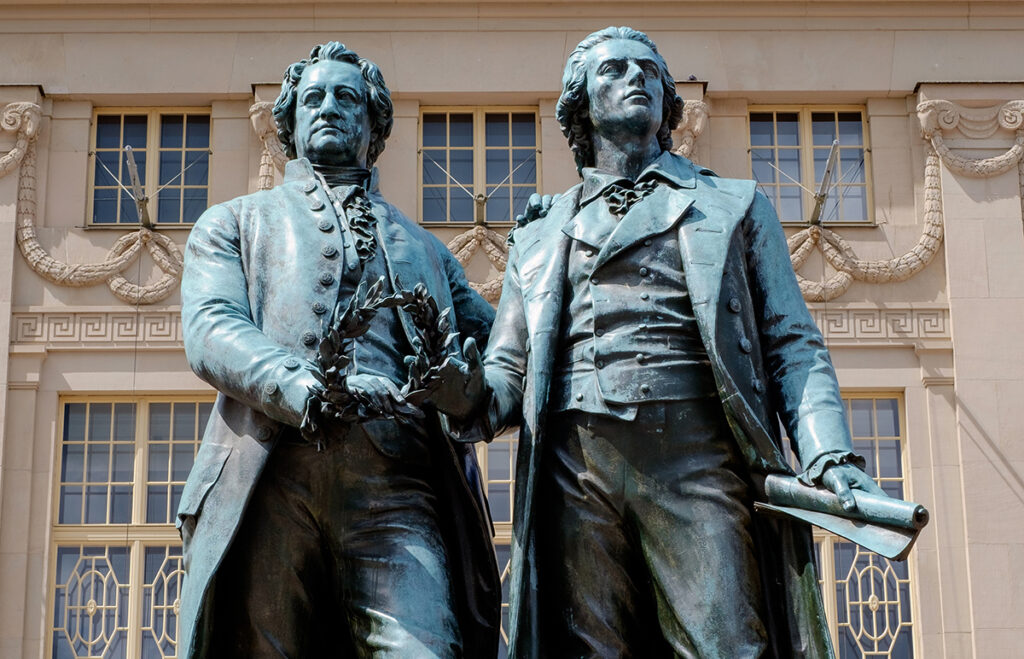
[(309, 533), (650, 337)]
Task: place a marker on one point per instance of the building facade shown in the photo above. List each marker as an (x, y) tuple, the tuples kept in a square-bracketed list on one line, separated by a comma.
[(911, 267)]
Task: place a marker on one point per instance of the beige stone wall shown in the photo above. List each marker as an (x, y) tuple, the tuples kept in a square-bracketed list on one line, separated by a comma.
[(946, 339)]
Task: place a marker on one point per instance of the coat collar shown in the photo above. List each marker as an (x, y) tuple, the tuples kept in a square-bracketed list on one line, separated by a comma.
[(669, 167), (300, 169)]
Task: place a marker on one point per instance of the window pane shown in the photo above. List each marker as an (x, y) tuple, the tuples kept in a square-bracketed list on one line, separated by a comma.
[(159, 422), (860, 417), (823, 128), (519, 198), (497, 167), (890, 463), (197, 131), (135, 131), (762, 129), (172, 128), (197, 167), (74, 422), (888, 413), (168, 205), (463, 208), (461, 161), (170, 167), (787, 127), (851, 129), (108, 131), (791, 204), (524, 129), (434, 130), (106, 169), (789, 163), (161, 588), (761, 161), (91, 600), (434, 165), (498, 205), (854, 203), (496, 129), (524, 166), (194, 204), (435, 208), (184, 422), (460, 130)]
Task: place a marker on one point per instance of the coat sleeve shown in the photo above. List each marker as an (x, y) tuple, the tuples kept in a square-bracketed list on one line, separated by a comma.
[(797, 363), (505, 360), (222, 343)]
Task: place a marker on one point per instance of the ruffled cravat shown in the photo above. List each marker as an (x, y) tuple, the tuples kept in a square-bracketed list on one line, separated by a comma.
[(622, 196)]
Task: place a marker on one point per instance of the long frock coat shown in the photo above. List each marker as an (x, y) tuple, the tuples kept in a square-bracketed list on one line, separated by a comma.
[(258, 269), (738, 272)]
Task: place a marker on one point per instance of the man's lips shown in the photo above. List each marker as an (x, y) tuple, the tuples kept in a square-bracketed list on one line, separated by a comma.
[(638, 93)]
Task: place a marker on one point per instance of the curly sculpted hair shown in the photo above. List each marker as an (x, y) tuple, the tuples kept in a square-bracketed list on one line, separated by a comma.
[(572, 110), (378, 100)]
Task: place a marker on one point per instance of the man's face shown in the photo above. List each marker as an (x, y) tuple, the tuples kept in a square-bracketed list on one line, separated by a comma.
[(624, 86), (332, 126)]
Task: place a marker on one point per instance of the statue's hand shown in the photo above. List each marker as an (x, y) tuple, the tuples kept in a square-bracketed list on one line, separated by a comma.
[(377, 392), (537, 206), (842, 479), (460, 388)]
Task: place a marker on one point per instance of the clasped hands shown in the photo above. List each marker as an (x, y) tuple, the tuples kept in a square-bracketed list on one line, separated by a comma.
[(457, 390)]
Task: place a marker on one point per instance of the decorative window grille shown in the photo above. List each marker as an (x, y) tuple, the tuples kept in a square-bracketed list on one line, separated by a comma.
[(477, 164), (171, 149), (789, 149), (116, 560), (498, 462)]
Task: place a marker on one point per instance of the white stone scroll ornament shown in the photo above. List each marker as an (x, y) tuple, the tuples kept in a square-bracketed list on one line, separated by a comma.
[(24, 118), (935, 117)]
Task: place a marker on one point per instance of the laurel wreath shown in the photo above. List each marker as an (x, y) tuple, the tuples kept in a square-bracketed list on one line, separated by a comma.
[(332, 400)]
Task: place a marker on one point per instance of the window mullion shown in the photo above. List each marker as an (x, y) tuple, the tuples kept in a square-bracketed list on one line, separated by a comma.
[(134, 640), (828, 586), (807, 161), (141, 459)]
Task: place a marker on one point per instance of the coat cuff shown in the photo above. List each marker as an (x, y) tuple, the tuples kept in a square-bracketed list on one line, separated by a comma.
[(812, 475)]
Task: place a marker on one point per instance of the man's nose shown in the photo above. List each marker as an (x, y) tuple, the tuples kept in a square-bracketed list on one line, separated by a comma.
[(634, 73), (330, 106)]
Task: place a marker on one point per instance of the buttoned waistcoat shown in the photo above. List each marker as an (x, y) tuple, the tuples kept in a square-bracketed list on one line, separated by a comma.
[(261, 276), (768, 357)]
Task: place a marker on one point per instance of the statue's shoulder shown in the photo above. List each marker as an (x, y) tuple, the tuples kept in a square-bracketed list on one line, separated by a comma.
[(563, 207), (721, 190)]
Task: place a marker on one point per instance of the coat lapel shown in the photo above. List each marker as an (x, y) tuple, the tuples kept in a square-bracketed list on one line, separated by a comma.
[(704, 240), (656, 214)]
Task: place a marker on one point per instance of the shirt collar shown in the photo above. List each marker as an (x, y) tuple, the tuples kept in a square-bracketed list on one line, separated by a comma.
[(300, 169), (669, 168)]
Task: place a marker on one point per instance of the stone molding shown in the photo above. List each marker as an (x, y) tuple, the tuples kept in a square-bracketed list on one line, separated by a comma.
[(888, 325), (24, 118), (163, 328), (272, 156), (97, 328)]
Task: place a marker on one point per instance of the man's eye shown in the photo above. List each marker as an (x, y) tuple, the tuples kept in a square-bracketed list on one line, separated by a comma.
[(611, 68), (312, 99)]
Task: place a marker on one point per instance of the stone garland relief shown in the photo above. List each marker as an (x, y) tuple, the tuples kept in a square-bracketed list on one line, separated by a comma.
[(935, 116), (24, 118)]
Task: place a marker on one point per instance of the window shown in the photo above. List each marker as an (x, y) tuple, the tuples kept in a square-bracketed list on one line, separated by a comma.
[(789, 150), (477, 164), (116, 560), (866, 596), (171, 149)]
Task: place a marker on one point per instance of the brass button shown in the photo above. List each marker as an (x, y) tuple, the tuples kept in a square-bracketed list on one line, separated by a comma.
[(353, 265), (326, 278), (291, 363), (319, 308), (599, 363), (642, 326), (599, 332), (745, 345), (734, 305), (264, 433), (647, 243), (308, 338), (309, 186), (593, 280), (644, 272), (645, 296), (645, 388), (326, 225), (316, 204), (641, 358), (588, 253), (579, 396), (330, 251), (269, 389)]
